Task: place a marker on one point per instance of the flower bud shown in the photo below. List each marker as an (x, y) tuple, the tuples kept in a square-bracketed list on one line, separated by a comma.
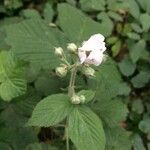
[(88, 71), (72, 47), (82, 98), (75, 99), (58, 51), (61, 71)]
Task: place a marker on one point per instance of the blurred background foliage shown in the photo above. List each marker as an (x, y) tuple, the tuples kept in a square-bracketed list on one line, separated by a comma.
[(26, 75)]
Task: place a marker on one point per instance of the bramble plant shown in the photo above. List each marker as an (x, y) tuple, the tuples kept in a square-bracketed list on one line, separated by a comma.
[(80, 121), (60, 88)]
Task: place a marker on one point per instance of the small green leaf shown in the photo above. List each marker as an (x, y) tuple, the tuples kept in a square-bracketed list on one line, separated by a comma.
[(137, 106), (144, 125), (145, 21), (116, 48), (92, 5), (127, 67), (115, 16), (134, 8), (112, 40), (136, 27), (48, 13), (136, 50), (133, 35), (89, 95), (50, 111), (141, 79), (85, 129)]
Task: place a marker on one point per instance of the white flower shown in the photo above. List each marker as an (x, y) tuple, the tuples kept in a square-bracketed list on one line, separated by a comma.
[(91, 51), (72, 47)]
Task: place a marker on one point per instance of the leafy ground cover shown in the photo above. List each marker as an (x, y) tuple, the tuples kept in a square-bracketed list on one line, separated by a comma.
[(29, 31)]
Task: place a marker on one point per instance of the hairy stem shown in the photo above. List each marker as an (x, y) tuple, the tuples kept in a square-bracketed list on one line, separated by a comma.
[(71, 90)]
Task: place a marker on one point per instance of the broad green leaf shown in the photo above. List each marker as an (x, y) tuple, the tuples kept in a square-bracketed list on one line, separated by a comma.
[(127, 67), (141, 79), (34, 41), (111, 111), (4, 146), (85, 129), (80, 27), (117, 139), (40, 146), (107, 77), (136, 50), (50, 111), (92, 5), (12, 80), (145, 21), (89, 95)]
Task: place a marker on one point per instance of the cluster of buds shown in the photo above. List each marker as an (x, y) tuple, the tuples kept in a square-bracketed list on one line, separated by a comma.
[(77, 99)]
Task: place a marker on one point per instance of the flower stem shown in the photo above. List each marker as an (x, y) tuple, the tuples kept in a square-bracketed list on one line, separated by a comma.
[(67, 138), (71, 90)]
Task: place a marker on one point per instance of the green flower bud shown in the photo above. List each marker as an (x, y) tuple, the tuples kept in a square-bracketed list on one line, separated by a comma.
[(72, 47), (88, 71), (58, 51), (75, 99), (61, 71)]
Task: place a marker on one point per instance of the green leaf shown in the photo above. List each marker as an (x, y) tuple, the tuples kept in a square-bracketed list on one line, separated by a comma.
[(48, 13), (89, 95), (137, 106), (136, 50), (50, 111), (106, 22), (31, 14), (92, 5), (12, 80), (145, 21), (133, 35), (138, 143), (144, 125), (17, 138), (134, 8), (141, 79), (111, 111), (40, 146), (115, 16), (117, 139), (127, 67), (85, 129), (34, 41), (116, 48), (80, 27), (136, 27), (104, 80)]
